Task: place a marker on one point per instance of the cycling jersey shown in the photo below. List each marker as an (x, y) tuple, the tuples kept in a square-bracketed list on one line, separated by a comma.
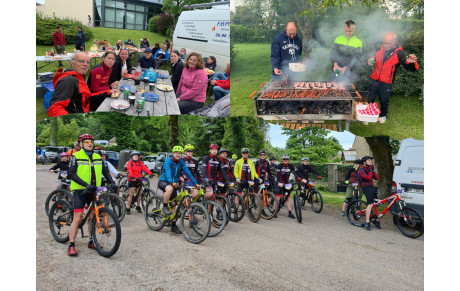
[(135, 169), (213, 168), (226, 168), (263, 169), (302, 172), (245, 170), (284, 171), (192, 166), (62, 166)]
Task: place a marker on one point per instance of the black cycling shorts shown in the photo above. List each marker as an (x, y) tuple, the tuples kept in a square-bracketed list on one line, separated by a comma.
[(369, 191), (242, 185), (82, 198), (280, 191), (134, 183), (162, 185)]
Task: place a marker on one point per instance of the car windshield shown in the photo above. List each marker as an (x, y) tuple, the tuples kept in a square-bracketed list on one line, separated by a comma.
[(53, 149)]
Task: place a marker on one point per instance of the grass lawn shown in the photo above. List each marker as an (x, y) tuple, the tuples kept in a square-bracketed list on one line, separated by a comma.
[(252, 67)]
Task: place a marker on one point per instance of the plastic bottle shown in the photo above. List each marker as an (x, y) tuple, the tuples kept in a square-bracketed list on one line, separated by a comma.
[(138, 71)]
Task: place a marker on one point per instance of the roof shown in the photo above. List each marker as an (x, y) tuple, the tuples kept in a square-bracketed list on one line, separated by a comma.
[(349, 155)]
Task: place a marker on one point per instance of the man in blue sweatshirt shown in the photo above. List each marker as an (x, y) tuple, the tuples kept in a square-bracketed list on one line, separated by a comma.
[(286, 49)]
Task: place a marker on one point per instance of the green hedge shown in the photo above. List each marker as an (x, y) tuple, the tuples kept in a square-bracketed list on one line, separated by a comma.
[(251, 34), (45, 27), (152, 27)]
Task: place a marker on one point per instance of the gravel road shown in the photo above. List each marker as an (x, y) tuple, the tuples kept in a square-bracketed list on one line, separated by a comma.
[(324, 252)]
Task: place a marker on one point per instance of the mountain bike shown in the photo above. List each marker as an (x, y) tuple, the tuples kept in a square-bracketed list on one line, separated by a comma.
[(297, 202), (141, 189), (252, 202), (62, 193), (408, 220), (235, 201), (268, 200), (105, 226), (313, 196), (195, 221), (218, 211)]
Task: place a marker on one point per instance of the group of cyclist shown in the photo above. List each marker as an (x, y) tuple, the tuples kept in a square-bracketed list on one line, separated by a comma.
[(86, 169)]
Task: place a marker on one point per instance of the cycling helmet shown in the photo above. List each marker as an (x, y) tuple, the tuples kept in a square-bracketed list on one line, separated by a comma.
[(262, 152), (213, 146), (359, 162), (103, 153), (135, 153), (223, 150), (189, 147), (85, 136), (285, 157), (234, 156), (64, 154), (272, 159), (178, 149), (304, 159), (75, 144), (367, 158), (245, 150)]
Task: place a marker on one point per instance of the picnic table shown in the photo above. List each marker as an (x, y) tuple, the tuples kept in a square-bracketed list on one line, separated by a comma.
[(50, 60), (166, 104)]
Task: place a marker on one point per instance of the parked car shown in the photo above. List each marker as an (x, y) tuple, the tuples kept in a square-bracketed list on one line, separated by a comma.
[(149, 162), (53, 153), (113, 158), (102, 142)]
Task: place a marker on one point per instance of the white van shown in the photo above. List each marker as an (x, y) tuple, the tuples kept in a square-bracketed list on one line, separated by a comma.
[(206, 32), (408, 174), (102, 142)]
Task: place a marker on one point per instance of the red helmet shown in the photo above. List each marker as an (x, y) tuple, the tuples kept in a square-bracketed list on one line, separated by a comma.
[(213, 146), (85, 136)]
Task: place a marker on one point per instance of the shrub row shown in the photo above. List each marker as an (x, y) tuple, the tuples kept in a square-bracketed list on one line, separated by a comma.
[(45, 27)]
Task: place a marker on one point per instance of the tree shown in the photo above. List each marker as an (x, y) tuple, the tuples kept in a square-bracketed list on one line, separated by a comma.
[(244, 131), (65, 134), (175, 7), (381, 147), (174, 130), (311, 142), (53, 131)]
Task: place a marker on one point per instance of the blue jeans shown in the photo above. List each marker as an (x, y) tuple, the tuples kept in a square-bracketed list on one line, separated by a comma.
[(219, 76), (219, 92)]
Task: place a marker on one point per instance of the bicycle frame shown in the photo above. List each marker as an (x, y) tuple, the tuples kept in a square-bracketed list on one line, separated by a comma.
[(395, 197), (263, 192), (96, 205), (283, 199)]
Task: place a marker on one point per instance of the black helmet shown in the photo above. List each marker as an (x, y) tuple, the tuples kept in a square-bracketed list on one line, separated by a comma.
[(262, 152), (135, 153), (223, 150), (272, 159), (359, 162), (367, 158)]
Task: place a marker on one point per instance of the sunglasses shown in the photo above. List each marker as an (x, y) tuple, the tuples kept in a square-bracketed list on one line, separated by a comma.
[(189, 151), (83, 61), (88, 142), (262, 155)]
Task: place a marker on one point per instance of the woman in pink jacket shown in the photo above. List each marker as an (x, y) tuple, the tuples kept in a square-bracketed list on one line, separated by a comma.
[(191, 91)]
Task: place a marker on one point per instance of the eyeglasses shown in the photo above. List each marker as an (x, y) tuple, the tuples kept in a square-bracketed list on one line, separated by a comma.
[(262, 155), (83, 61), (88, 142)]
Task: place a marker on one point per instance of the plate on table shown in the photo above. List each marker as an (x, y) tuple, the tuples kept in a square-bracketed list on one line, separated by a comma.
[(166, 88), (120, 104)]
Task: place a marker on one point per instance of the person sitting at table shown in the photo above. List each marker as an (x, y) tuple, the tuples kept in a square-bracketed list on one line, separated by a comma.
[(155, 48), (161, 56), (147, 60), (222, 76), (191, 91), (183, 53), (221, 88), (71, 93), (176, 68), (144, 43), (121, 66), (211, 63), (119, 44), (99, 76), (130, 43), (168, 45)]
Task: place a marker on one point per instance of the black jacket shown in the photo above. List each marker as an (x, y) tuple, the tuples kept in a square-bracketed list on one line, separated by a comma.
[(116, 70), (302, 172), (176, 73), (62, 167)]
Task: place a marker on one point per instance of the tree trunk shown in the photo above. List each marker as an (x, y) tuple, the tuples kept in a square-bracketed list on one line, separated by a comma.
[(53, 131), (304, 25), (381, 149), (174, 128)]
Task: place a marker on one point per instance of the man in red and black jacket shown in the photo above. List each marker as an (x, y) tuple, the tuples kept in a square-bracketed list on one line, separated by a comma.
[(225, 164), (59, 42), (263, 168), (366, 175), (71, 93), (213, 168), (387, 60)]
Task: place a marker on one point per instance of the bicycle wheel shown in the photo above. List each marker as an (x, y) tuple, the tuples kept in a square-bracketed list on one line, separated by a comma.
[(236, 213), (124, 192), (223, 201), (195, 223), (356, 213), (270, 205), (60, 219), (123, 181), (316, 201), (146, 195), (298, 208), (410, 222), (114, 203), (254, 206), (60, 194), (218, 218), (153, 216), (107, 236)]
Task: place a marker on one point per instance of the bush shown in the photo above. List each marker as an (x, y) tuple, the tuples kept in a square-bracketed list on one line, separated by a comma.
[(250, 34), (45, 27), (163, 23), (144, 146), (152, 26)]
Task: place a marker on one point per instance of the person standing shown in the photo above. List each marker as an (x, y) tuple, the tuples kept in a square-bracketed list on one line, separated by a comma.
[(386, 62), (366, 174), (345, 55), (80, 39), (286, 48), (59, 42)]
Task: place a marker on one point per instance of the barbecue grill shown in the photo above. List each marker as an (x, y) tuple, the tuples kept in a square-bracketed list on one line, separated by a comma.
[(306, 101)]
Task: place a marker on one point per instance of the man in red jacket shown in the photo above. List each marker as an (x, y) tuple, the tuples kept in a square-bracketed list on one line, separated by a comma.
[(386, 61), (366, 175), (221, 88), (71, 93), (59, 42)]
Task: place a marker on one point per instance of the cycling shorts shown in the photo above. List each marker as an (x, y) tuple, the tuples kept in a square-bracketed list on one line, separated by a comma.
[(369, 191), (134, 183), (242, 185), (280, 190), (82, 198), (162, 185)]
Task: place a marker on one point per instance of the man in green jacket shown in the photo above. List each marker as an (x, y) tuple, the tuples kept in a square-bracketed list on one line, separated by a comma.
[(345, 55), (245, 171)]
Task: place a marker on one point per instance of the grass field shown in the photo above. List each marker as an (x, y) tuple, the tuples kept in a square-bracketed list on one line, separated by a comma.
[(252, 67)]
